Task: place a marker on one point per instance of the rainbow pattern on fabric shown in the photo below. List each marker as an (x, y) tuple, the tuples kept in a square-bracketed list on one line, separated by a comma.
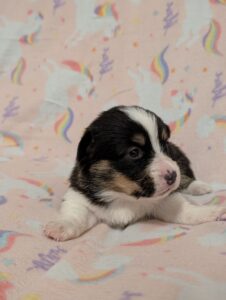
[(29, 39), (106, 10), (178, 124), (3, 200), (211, 38), (160, 67), (77, 67), (63, 124), (218, 2), (99, 276), (4, 285), (18, 72), (38, 183), (189, 97), (9, 139), (3, 276), (159, 240), (7, 239), (220, 199), (220, 120)]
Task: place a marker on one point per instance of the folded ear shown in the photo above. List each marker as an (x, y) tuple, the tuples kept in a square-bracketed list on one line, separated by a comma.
[(163, 130), (86, 146), (165, 134)]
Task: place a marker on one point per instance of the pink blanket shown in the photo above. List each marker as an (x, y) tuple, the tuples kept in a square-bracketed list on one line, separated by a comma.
[(61, 63)]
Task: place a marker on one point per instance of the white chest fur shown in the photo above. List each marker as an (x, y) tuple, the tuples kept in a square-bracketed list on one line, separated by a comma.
[(123, 209)]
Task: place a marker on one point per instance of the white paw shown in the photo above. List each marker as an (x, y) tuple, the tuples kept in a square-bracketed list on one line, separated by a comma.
[(199, 188), (61, 230), (206, 214), (217, 213)]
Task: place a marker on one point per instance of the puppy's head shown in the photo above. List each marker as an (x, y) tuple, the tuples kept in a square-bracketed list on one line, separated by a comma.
[(124, 150)]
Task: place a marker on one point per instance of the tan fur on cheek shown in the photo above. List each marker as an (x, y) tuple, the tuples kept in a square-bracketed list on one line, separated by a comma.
[(100, 166), (112, 180), (121, 183)]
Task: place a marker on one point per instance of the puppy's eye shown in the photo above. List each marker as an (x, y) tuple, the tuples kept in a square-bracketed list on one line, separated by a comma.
[(134, 153)]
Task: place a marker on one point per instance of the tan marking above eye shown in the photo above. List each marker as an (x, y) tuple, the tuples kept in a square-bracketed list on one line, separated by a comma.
[(139, 139)]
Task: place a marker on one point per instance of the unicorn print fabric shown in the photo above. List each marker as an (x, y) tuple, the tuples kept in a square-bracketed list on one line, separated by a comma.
[(62, 62)]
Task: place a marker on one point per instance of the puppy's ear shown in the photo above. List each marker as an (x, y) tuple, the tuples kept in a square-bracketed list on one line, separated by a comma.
[(86, 146), (163, 130), (165, 134)]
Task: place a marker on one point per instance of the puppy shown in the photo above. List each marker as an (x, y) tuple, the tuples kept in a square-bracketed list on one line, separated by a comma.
[(128, 170)]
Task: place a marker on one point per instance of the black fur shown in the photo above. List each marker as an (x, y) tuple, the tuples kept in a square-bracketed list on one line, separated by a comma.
[(108, 138)]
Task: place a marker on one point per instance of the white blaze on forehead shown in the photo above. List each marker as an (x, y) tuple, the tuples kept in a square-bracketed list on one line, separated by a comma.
[(148, 122)]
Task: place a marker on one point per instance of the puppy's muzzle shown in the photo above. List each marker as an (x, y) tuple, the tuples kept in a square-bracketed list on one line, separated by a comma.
[(165, 173)]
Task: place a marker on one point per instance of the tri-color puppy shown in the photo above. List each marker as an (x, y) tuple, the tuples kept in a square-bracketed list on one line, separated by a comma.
[(128, 170)]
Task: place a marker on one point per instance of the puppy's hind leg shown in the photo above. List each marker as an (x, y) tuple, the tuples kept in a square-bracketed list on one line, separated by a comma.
[(176, 209), (197, 188), (75, 218)]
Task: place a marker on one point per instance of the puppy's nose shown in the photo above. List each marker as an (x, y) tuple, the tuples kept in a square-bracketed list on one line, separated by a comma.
[(170, 177)]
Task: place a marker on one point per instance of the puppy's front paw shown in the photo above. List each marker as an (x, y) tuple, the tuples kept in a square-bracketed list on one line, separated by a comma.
[(61, 230), (197, 188)]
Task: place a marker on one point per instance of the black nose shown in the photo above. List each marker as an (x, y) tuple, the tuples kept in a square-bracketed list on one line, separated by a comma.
[(170, 177)]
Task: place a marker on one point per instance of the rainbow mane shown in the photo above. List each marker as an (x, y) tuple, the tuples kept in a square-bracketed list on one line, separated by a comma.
[(38, 184), (11, 139), (3, 276), (160, 67), (3, 199), (106, 10), (218, 1), (217, 200), (29, 39), (176, 125), (150, 242), (96, 277), (4, 285), (80, 68), (7, 239), (18, 71), (220, 120), (211, 38), (63, 124), (189, 97)]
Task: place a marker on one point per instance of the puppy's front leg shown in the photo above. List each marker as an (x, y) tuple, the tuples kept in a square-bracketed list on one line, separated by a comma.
[(75, 218), (176, 209)]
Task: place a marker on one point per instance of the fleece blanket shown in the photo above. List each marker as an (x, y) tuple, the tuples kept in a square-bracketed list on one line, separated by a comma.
[(61, 63)]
